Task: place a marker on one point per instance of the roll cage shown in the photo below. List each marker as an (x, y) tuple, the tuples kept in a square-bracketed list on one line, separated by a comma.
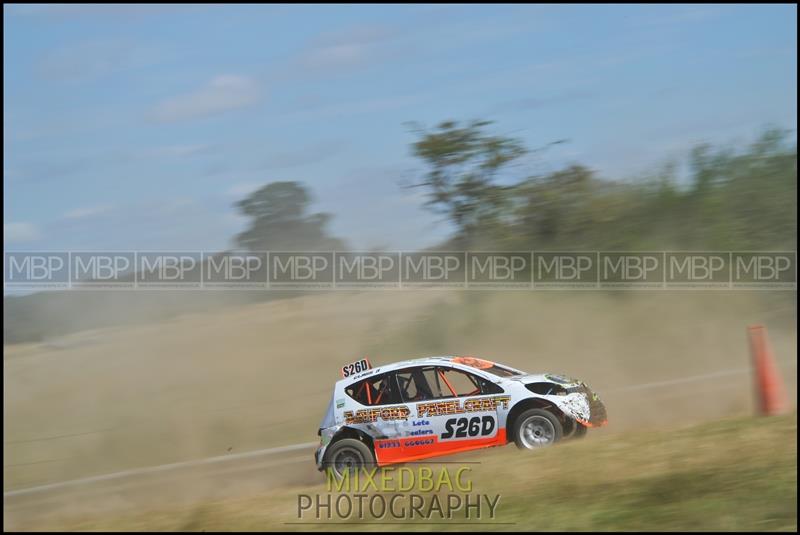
[(419, 383)]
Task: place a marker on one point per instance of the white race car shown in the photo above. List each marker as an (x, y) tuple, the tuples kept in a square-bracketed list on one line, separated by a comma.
[(433, 406)]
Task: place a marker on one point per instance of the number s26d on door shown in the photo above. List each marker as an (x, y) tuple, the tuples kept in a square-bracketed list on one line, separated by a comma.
[(475, 426)]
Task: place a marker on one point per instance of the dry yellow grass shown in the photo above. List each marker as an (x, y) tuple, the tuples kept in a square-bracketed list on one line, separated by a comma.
[(734, 474)]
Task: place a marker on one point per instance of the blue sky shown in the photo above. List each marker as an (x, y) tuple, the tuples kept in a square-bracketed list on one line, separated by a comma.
[(138, 127)]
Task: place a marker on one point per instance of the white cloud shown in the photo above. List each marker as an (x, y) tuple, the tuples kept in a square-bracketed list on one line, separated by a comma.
[(336, 56), (350, 48), (180, 151), (176, 205), (305, 155), (360, 34), (20, 232), (223, 93), (95, 59), (88, 211)]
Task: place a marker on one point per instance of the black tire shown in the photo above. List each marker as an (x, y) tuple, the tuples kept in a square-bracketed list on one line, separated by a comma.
[(537, 428), (348, 454)]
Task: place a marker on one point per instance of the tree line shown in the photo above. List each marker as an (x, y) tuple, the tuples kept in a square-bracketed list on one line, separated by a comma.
[(729, 198)]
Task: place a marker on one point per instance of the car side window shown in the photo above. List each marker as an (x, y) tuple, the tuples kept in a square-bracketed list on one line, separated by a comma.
[(378, 390), (414, 384), (436, 382), (461, 383), (488, 387)]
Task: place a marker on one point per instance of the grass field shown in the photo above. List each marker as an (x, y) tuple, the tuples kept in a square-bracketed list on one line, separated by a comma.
[(734, 474)]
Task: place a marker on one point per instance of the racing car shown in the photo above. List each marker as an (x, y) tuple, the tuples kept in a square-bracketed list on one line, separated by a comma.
[(422, 408)]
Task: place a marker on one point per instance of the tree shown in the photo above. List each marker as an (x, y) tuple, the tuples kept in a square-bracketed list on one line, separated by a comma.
[(557, 207), (280, 222), (731, 198), (464, 162)]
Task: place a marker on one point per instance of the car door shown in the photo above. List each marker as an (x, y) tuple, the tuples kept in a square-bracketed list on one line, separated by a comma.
[(452, 410), (379, 414)]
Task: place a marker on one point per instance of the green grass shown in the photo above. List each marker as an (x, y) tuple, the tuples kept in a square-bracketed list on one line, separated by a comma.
[(738, 474), (732, 475)]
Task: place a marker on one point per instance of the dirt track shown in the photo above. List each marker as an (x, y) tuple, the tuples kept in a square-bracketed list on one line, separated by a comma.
[(229, 382)]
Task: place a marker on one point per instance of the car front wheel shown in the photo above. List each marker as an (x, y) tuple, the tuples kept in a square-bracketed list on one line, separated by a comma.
[(536, 428)]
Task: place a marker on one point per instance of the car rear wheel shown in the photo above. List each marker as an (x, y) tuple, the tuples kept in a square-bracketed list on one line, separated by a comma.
[(348, 455), (536, 428)]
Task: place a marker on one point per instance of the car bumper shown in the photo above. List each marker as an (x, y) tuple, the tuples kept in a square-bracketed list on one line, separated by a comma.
[(598, 417), (581, 405), (318, 456)]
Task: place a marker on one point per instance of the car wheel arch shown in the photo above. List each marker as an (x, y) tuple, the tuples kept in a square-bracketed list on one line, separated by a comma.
[(351, 432), (532, 403)]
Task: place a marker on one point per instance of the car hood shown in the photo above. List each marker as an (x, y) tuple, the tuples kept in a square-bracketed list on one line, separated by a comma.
[(546, 377)]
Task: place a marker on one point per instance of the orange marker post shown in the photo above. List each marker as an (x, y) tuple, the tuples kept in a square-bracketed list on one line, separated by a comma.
[(770, 391)]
